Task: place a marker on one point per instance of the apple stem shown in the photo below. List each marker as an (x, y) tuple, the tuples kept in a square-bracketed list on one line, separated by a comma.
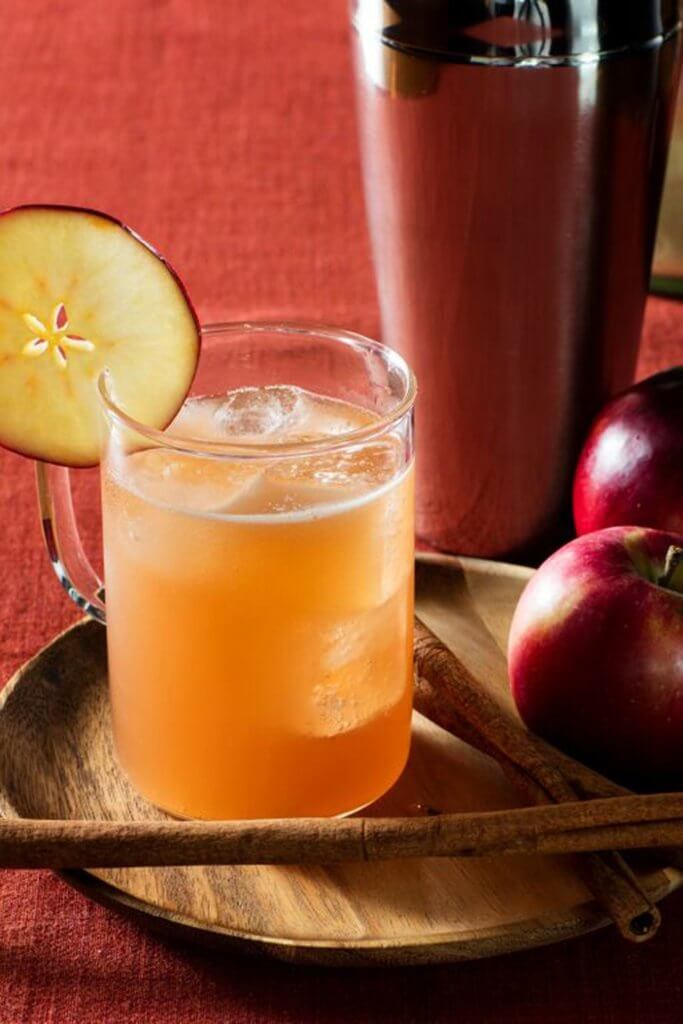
[(672, 577)]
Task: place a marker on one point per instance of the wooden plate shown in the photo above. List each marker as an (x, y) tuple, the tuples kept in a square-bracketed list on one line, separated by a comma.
[(56, 760)]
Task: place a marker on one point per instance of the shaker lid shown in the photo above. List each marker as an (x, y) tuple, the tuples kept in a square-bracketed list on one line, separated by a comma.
[(510, 31)]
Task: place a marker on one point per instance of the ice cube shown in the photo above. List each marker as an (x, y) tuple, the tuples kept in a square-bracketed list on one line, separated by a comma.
[(332, 477), (362, 670), (258, 411), (320, 416), (185, 482), (244, 415)]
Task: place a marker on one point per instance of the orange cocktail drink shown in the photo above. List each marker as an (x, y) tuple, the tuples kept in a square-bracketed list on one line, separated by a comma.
[(259, 578)]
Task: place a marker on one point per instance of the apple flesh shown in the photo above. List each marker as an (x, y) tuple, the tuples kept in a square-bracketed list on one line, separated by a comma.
[(595, 654), (81, 293), (631, 468)]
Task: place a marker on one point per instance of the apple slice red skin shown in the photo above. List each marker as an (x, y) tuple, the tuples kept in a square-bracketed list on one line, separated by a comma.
[(595, 656), (89, 464), (640, 479)]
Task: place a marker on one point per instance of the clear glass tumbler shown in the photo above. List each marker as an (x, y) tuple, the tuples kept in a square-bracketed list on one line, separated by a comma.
[(259, 576)]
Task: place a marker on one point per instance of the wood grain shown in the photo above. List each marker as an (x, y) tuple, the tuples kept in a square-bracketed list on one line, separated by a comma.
[(56, 761), (450, 695)]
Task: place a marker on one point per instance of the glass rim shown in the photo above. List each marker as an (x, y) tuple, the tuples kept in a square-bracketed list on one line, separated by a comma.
[(217, 449)]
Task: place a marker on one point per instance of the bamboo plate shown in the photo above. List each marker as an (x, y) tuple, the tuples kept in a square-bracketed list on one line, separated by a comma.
[(56, 760)]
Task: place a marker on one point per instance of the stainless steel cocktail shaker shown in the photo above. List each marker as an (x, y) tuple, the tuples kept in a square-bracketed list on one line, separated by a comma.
[(513, 157)]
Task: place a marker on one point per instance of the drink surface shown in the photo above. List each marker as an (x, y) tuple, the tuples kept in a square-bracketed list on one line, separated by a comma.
[(260, 610)]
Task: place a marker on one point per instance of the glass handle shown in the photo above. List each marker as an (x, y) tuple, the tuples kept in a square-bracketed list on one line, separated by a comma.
[(63, 543)]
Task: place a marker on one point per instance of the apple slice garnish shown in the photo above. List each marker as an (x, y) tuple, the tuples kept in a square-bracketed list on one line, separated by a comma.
[(81, 293)]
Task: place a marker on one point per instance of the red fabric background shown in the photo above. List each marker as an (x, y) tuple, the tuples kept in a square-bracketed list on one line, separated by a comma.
[(224, 133)]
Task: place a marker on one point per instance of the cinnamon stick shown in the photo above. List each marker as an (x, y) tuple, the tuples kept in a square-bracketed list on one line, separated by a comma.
[(448, 694), (627, 821)]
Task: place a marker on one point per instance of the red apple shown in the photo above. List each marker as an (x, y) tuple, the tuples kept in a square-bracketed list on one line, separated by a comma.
[(631, 467), (595, 653)]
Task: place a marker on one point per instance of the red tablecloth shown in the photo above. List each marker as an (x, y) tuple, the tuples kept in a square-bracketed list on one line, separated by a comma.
[(224, 133)]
